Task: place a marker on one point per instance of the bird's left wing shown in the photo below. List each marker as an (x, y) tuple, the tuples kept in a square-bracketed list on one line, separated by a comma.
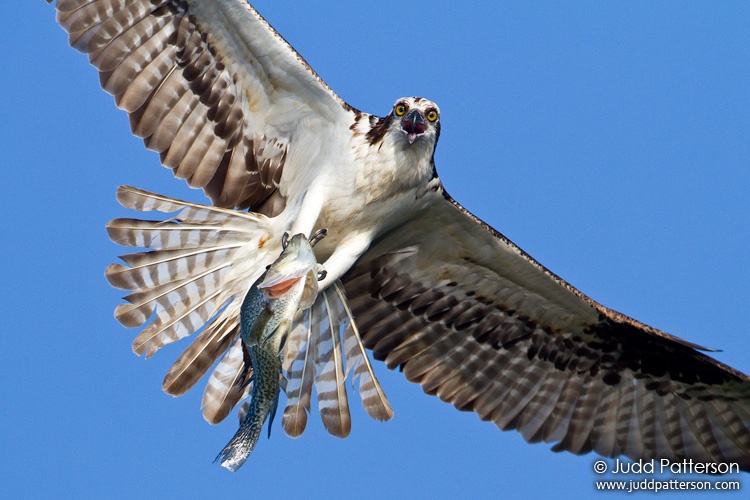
[(476, 321), (214, 89)]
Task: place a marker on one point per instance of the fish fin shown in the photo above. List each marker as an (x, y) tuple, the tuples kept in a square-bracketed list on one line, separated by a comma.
[(373, 397), (282, 329), (272, 411), (242, 412), (243, 442), (256, 332)]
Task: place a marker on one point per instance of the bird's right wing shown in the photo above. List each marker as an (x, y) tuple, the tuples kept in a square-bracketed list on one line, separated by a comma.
[(214, 89)]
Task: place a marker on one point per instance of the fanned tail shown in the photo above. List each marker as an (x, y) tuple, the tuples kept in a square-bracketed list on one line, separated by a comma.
[(199, 262), (199, 265), (314, 356)]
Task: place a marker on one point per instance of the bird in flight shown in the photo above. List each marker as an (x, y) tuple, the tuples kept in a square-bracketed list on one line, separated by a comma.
[(234, 110)]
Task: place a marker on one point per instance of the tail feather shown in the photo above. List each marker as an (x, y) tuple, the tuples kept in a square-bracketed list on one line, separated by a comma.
[(172, 234), (199, 266), (169, 300), (179, 322), (329, 373), (373, 397), (300, 373), (207, 347), (201, 262), (228, 384), (314, 356), (151, 269), (145, 201)]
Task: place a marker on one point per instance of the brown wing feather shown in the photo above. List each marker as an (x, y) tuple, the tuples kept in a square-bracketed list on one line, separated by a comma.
[(205, 87), (180, 96), (474, 320)]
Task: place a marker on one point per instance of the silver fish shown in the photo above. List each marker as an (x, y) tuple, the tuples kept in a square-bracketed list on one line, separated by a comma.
[(289, 285)]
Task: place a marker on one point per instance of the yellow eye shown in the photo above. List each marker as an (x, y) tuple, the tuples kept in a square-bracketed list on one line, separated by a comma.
[(400, 110), (432, 115)]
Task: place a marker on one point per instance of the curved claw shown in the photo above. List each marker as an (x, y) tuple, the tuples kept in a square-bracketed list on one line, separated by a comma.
[(319, 235)]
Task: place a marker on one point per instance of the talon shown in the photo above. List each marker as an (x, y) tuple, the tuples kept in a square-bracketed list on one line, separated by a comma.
[(319, 235)]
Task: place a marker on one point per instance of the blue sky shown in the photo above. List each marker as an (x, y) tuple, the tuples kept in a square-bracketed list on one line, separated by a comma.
[(610, 140)]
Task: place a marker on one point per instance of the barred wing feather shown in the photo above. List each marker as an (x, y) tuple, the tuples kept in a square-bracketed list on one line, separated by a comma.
[(483, 326), (212, 88)]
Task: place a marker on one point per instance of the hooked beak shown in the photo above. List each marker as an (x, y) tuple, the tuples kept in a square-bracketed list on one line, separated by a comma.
[(413, 125)]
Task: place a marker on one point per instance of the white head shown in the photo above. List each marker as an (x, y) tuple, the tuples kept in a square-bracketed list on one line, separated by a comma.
[(418, 119), (413, 121)]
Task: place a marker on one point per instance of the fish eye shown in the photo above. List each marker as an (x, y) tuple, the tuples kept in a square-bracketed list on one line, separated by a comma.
[(284, 240), (399, 109), (322, 275), (432, 115)]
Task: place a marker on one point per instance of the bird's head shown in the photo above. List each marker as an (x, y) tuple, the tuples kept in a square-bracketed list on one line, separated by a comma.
[(417, 120)]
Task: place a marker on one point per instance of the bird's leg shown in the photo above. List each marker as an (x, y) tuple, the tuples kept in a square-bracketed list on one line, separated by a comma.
[(343, 257), (304, 218)]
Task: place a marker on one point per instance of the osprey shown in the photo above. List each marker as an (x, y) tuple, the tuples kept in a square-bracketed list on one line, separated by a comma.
[(436, 292)]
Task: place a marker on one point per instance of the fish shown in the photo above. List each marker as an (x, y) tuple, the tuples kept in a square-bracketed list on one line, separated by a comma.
[(267, 314)]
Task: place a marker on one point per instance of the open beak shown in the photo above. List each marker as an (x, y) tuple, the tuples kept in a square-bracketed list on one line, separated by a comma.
[(413, 125)]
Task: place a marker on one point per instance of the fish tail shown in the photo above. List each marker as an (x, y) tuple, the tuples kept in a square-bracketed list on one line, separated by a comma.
[(235, 453)]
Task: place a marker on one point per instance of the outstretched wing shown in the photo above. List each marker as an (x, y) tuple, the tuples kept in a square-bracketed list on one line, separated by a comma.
[(477, 322), (213, 89)]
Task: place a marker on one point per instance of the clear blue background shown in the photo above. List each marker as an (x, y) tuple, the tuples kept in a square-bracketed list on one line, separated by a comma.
[(610, 140)]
